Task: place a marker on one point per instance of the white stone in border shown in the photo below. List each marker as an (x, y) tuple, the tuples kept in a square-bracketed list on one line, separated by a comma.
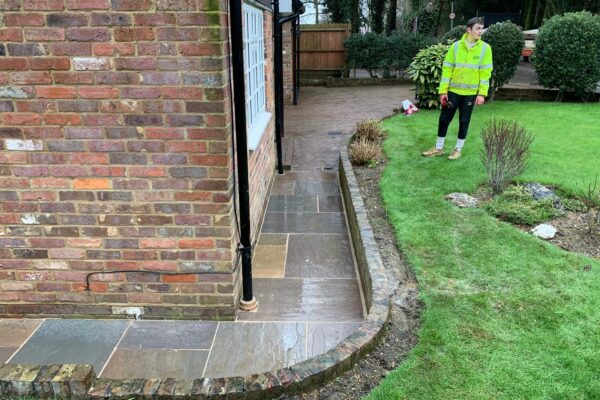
[(544, 231), (462, 200)]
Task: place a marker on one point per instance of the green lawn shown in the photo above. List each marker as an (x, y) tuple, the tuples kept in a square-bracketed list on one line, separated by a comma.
[(507, 316)]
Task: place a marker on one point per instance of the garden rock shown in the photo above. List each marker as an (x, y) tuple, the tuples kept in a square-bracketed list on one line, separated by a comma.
[(541, 192), (544, 231), (462, 200)]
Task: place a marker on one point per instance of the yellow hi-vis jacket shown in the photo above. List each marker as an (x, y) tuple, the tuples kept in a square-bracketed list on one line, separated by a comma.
[(467, 71)]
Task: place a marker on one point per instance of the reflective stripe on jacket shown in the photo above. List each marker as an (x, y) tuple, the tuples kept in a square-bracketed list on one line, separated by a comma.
[(467, 71)]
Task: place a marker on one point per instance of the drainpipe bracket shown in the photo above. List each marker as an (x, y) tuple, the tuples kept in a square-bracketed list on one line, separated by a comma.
[(249, 306)]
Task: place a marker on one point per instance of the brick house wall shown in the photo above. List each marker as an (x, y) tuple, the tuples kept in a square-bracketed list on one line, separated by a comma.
[(115, 154)]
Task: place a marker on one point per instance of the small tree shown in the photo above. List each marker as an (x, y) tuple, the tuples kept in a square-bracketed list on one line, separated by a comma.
[(401, 48), (426, 71), (454, 34), (366, 51), (567, 53), (507, 42), (506, 148)]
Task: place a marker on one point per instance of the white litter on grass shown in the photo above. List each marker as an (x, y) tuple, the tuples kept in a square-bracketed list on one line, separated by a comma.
[(544, 231)]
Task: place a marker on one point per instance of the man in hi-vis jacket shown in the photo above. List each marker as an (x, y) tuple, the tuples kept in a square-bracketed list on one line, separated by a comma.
[(465, 82)]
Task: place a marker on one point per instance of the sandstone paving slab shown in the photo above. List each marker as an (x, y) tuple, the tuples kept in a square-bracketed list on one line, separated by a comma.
[(274, 239), (62, 341), (304, 223), (319, 256), (330, 204), (308, 176), (155, 363), (316, 188), (6, 353), (322, 337), (332, 300), (14, 332), (169, 335), (278, 203), (245, 348), (269, 261)]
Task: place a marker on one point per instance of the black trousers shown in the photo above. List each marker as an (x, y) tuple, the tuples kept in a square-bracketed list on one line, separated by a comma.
[(464, 104)]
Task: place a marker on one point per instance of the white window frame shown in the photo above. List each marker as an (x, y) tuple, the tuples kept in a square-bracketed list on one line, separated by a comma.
[(257, 117)]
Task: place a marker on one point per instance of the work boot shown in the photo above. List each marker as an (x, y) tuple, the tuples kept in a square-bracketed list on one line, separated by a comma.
[(455, 155), (433, 152)]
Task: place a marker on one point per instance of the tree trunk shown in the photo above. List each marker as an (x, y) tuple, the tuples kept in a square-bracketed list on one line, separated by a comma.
[(316, 3), (390, 25), (355, 15)]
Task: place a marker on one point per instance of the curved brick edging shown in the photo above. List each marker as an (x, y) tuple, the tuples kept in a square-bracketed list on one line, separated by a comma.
[(79, 381)]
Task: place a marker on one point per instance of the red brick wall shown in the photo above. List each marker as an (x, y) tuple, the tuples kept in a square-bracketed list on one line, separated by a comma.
[(115, 141), (288, 63)]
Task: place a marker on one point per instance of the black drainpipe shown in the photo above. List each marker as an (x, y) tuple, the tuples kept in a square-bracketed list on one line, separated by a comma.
[(248, 302)]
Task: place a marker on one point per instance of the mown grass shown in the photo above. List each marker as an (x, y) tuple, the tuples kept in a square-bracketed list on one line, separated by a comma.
[(507, 316)]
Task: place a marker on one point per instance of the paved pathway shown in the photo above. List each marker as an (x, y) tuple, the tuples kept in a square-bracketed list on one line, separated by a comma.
[(304, 273)]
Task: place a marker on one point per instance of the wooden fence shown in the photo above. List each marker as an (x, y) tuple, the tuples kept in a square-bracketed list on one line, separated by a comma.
[(322, 47)]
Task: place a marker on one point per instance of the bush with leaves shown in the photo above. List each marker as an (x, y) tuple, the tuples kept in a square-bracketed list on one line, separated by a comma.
[(366, 51), (426, 71), (454, 34), (401, 48), (506, 148), (567, 53), (507, 43)]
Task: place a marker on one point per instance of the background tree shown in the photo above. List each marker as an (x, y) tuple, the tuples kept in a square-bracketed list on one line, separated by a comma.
[(376, 15), (507, 42)]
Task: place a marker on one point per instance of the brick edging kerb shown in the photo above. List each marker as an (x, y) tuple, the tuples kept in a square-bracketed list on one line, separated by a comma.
[(79, 381)]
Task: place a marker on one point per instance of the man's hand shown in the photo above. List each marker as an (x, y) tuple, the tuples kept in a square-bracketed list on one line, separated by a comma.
[(443, 98), (479, 100)]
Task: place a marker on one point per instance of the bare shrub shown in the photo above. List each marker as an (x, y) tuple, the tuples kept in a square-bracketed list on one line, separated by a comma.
[(589, 194), (370, 129), (506, 149), (364, 152)]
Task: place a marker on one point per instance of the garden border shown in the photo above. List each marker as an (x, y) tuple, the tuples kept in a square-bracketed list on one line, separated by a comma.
[(70, 381)]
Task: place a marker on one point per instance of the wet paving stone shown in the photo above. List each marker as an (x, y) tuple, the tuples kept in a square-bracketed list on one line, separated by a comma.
[(154, 363), (72, 342), (304, 223), (279, 203), (316, 188), (319, 256), (327, 300), (169, 335), (322, 337), (330, 204), (246, 348)]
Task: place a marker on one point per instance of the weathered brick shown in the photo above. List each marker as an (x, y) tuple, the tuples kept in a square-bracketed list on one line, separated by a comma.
[(31, 78), (131, 184), (47, 243), (87, 158), (177, 5), (53, 208), (164, 133), (113, 78), (143, 120), (91, 63), (120, 106), (13, 64), (111, 19), (133, 34), (10, 5), (96, 92), (48, 183), (23, 145), (66, 253), (88, 4), (29, 253), (43, 5), (56, 92), (78, 106), (186, 147), (100, 120), (50, 63), (122, 133), (64, 20), (38, 106), (77, 196), (44, 34), (25, 49), (53, 287), (177, 34), (205, 107), (154, 19), (163, 106), (88, 34), (131, 5), (48, 158), (135, 63), (19, 20), (65, 146), (11, 133), (140, 93), (200, 49), (147, 172), (6, 106), (112, 49), (65, 231), (70, 49), (156, 49), (38, 196), (173, 184), (120, 196), (17, 286), (192, 220), (76, 219), (62, 119), (159, 78)]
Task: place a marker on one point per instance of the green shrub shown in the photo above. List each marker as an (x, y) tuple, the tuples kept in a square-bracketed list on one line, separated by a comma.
[(366, 51), (516, 206), (401, 48), (567, 54), (506, 148), (454, 34), (573, 205), (426, 71), (507, 43)]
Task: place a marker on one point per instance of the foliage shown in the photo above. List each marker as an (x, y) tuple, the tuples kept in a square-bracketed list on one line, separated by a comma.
[(517, 206), (426, 71), (567, 53), (369, 129), (373, 51), (401, 48), (506, 148), (573, 205), (339, 10), (505, 315), (589, 194), (454, 34), (376, 15), (366, 51), (363, 151), (507, 42), (425, 22)]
